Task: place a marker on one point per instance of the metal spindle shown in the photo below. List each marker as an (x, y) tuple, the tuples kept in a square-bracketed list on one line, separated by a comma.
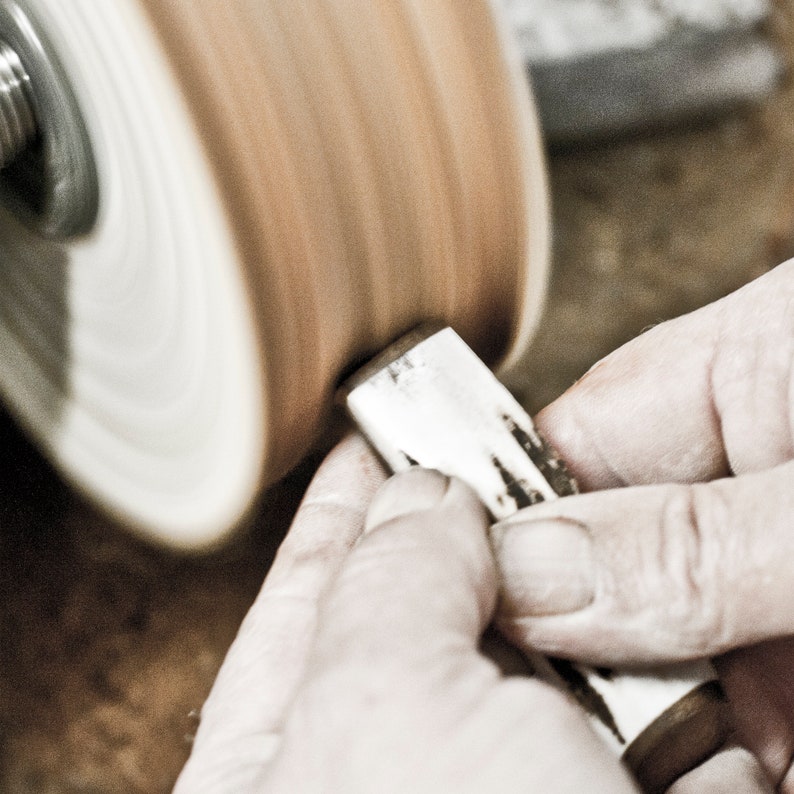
[(17, 120)]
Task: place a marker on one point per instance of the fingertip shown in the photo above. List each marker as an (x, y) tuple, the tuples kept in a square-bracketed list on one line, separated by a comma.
[(414, 491), (423, 568), (567, 424), (352, 468)]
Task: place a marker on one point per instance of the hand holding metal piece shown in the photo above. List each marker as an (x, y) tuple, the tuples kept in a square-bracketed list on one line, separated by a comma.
[(429, 401)]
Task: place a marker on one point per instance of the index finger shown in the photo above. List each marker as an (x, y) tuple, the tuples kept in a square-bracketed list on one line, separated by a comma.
[(242, 718), (696, 398)]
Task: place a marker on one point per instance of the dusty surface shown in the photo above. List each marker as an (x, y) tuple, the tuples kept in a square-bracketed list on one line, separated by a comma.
[(108, 647)]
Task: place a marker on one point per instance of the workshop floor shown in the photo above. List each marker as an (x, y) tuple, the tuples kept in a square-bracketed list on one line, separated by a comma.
[(108, 647)]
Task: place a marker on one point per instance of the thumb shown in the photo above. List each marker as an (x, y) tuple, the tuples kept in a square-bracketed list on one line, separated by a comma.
[(397, 631), (651, 574), (421, 575)]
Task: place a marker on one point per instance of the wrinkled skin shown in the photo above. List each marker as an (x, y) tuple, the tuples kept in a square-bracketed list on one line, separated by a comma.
[(358, 668)]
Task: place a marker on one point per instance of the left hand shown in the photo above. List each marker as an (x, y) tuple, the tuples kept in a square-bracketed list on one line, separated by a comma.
[(358, 670), (685, 548)]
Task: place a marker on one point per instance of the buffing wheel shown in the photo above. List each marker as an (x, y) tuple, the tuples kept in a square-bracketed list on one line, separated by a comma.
[(283, 188)]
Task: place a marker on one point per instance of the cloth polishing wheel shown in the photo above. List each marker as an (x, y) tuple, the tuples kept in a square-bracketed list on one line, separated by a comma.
[(235, 201)]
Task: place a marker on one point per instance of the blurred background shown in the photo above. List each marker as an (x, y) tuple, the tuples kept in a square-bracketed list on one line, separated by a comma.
[(671, 188)]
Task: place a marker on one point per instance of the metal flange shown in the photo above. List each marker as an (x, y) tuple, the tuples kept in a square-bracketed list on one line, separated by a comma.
[(50, 179)]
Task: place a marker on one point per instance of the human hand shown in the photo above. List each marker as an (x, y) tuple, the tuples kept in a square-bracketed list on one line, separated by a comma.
[(701, 564), (357, 668)]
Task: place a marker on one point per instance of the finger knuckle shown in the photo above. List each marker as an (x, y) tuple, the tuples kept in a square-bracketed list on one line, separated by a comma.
[(691, 557)]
